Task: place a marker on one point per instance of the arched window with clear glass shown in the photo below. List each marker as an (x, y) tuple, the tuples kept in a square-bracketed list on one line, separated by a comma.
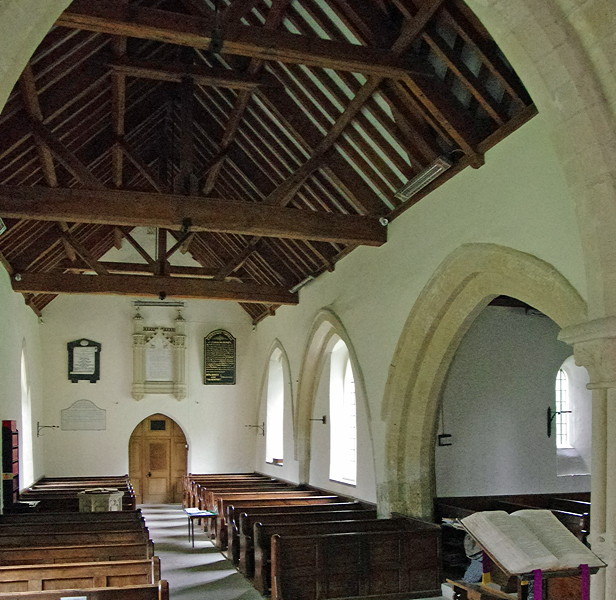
[(343, 417), (274, 426)]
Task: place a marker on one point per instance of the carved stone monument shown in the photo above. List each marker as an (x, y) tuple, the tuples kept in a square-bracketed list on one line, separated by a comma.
[(159, 358)]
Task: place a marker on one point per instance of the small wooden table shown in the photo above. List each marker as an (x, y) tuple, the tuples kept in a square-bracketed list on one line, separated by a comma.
[(196, 513)]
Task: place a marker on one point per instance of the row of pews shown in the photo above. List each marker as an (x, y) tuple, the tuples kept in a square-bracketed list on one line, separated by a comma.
[(54, 551), (60, 494), (301, 543)]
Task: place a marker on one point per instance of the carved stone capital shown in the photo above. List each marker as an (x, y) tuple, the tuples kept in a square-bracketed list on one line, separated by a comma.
[(594, 347)]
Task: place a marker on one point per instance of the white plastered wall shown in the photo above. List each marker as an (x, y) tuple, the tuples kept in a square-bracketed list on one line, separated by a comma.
[(19, 328), (494, 405), (211, 416)]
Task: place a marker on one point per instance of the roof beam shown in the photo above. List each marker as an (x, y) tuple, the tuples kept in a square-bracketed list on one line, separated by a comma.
[(137, 285), (274, 17), (114, 268), (132, 209), (109, 16), (176, 72)]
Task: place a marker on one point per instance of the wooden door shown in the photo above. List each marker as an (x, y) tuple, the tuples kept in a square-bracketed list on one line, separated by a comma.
[(157, 460)]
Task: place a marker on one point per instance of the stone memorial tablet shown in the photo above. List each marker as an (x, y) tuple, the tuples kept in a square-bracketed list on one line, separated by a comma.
[(83, 415), (84, 360)]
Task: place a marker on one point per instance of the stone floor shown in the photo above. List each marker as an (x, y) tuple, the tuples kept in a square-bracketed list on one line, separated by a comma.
[(199, 573)]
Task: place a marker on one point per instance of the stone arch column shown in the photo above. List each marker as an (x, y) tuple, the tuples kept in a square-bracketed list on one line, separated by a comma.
[(594, 347), (461, 287)]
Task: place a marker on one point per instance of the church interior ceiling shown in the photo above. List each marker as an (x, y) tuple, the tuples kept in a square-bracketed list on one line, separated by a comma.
[(237, 148)]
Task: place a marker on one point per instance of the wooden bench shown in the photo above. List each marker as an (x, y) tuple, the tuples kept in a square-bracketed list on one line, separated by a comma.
[(230, 506), (77, 553), (63, 538), (155, 591), (207, 495), (392, 564), (215, 501), (120, 516), (192, 480), (263, 533), (244, 558), (33, 578), (234, 531), (74, 527)]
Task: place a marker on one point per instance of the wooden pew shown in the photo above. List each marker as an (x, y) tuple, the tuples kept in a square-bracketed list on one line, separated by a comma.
[(263, 533), (191, 480), (207, 495), (244, 555), (156, 591), (119, 516), (228, 506), (63, 538), (392, 564), (31, 555), (34, 578), (73, 527), (216, 499)]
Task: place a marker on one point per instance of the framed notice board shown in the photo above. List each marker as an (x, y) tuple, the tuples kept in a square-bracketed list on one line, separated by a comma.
[(219, 354)]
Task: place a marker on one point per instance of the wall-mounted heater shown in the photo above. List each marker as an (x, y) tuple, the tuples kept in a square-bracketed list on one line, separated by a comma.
[(423, 178)]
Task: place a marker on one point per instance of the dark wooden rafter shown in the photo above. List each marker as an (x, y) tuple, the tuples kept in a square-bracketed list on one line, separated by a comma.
[(147, 173), (132, 209), (175, 72), (115, 268), (299, 126), (85, 254), (29, 95), (410, 30), (272, 21), (107, 16), (125, 231), (118, 108), (136, 285)]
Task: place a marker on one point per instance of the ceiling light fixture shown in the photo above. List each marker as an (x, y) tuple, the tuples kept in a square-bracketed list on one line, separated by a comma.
[(423, 178)]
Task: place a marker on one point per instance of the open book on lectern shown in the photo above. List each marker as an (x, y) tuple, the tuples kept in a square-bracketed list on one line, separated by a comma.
[(526, 540)]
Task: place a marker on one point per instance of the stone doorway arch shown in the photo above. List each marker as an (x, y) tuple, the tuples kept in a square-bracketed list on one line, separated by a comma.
[(157, 460)]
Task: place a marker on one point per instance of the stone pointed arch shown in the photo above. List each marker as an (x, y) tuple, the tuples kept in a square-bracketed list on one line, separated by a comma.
[(461, 287), (325, 328)]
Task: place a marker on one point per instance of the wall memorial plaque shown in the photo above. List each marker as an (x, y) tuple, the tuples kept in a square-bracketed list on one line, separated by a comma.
[(84, 360), (83, 415), (220, 358)]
